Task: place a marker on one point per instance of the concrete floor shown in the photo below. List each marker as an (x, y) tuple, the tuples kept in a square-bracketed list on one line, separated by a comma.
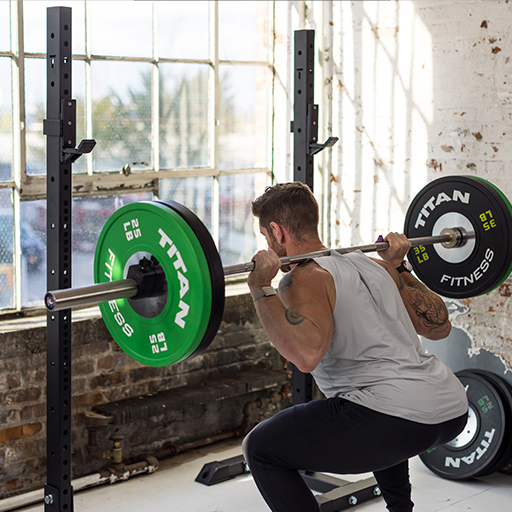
[(172, 488)]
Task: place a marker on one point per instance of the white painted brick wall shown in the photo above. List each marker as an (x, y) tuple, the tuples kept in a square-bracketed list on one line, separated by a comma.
[(421, 89)]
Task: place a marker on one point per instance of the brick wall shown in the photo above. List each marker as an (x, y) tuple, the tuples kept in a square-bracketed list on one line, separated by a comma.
[(103, 374), (416, 90)]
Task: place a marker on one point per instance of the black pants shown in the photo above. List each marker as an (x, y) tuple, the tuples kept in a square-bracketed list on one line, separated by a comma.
[(338, 436)]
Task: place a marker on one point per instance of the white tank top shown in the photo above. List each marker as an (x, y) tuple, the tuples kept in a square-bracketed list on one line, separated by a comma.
[(375, 358)]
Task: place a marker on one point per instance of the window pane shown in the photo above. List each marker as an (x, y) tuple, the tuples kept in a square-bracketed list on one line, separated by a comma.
[(89, 216), (5, 121), (194, 193), (5, 25), (35, 105), (6, 249), (121, 94), (183, 122), (34, 25), (182, 31), (33, 252), (238, 228), (243, 30), (78, 93), (243, 117), (121, 28)]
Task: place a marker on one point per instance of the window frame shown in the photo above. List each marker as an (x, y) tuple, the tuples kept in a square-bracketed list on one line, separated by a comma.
[(33, 187)]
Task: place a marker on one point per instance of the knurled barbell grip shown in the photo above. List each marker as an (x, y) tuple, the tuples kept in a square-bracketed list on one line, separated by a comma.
[(240, 268), (125, 288)]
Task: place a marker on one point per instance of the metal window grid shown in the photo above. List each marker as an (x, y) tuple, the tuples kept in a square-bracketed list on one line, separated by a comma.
[(33, 187)]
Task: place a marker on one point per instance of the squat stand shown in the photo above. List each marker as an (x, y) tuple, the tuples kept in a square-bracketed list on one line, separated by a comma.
[(60, 129), (335, 494)]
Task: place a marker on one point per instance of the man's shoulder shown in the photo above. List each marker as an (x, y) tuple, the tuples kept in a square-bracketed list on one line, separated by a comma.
[(306, 274)]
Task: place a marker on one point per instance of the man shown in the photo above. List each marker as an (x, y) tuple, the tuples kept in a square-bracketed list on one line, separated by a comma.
[(352, 321)]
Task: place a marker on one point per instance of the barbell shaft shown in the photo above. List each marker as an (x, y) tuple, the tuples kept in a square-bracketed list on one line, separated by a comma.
[(240, 268), (90, 295), (125, 288)]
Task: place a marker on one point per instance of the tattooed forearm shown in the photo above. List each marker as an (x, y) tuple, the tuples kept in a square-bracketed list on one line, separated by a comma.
[(293, 318), (428, 306)]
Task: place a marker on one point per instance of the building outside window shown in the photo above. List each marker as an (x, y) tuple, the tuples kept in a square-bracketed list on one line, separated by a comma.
[(177, 95)]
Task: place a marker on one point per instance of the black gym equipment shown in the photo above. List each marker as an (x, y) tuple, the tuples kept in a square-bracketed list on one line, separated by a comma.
[(485, 444), (60, 129), (473, 205)]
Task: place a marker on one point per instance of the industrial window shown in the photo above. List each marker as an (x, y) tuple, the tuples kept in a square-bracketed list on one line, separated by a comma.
[(177, 95)]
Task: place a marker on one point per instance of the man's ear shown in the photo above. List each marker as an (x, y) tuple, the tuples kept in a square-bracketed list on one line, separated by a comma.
[(279, 232)]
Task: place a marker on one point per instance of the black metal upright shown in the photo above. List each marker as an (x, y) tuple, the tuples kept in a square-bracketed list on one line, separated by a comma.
[(303, 103), (303, 130), (60, 130), (58, 490)]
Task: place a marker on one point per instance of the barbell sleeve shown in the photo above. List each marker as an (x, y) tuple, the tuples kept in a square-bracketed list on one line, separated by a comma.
[(126, 288), (90, 295)]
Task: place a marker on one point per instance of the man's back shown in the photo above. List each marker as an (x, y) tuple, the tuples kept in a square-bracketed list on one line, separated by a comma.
[(375, 357)]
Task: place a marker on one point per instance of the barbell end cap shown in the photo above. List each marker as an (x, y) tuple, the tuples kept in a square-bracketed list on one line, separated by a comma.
[(49, 301)]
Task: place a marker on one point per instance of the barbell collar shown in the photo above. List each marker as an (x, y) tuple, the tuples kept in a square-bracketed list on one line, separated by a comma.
[(125, 288)]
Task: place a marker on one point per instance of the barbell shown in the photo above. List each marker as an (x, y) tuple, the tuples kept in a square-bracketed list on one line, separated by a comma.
[(160, 282)]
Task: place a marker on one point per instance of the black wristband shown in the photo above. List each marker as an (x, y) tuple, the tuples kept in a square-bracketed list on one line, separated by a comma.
[(405, 266)]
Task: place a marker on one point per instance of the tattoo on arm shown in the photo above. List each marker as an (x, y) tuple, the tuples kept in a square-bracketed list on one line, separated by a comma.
[(286, 282), (400, 281), (293, 318), (428, 306)]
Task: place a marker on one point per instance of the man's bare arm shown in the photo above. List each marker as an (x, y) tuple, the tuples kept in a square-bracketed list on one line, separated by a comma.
[(427, 310)]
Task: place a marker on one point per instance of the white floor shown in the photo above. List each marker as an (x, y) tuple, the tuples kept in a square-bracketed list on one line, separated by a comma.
[(172, 489)]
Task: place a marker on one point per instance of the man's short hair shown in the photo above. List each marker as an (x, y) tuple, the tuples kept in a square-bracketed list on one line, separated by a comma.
[(291, 205)]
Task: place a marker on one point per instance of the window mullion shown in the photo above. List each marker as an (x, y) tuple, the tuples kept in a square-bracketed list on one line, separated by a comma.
[(213, 116), (88, 87), (19, 145), (155, 94)]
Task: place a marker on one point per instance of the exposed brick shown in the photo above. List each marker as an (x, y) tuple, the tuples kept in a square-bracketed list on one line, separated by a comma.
[(10, 416), (22, 395), (83, 367), (88, 399), (106, 363), (14, 485), (33, 411), (90, 349), (108, 380), (19, 432), (140, 373), (13, 381)]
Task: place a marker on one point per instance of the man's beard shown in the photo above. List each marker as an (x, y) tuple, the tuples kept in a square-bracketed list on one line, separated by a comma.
[(280, 250)]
